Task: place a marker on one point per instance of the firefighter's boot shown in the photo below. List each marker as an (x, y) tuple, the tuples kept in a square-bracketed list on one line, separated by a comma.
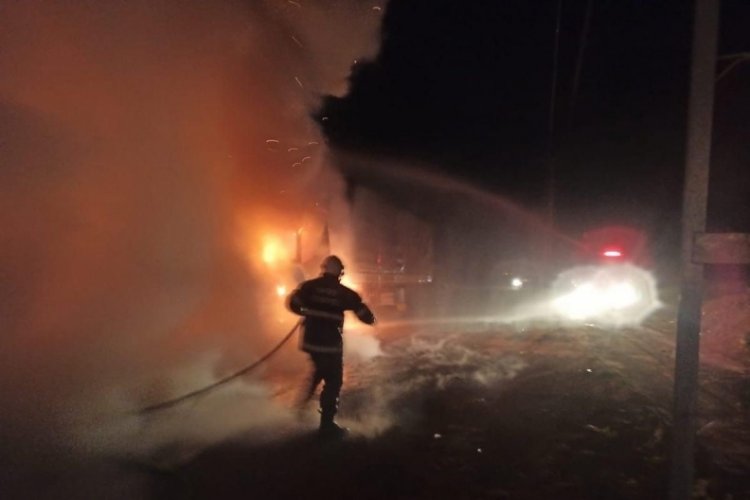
[(329, 428)]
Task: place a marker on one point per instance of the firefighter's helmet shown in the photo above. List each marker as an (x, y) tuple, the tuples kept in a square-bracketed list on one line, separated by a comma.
[(332, 265)]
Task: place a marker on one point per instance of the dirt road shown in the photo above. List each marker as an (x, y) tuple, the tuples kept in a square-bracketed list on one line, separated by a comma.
[(488, 411)]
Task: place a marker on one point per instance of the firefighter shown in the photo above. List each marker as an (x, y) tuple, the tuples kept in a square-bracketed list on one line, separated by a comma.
[(322, 301)]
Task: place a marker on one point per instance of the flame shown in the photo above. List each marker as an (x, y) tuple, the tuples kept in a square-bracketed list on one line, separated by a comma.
[(346, 280), (275, 251)]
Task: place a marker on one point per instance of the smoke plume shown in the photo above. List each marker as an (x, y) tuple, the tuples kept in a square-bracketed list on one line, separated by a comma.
[(146, 147)]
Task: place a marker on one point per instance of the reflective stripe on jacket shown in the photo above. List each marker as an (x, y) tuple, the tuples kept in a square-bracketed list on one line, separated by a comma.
[(322, 301)]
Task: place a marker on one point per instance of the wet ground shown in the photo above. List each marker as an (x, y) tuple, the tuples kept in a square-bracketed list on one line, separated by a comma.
[(495, 412)]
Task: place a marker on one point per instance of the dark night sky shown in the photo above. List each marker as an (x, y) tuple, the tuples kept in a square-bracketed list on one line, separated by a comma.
[(464, 86)]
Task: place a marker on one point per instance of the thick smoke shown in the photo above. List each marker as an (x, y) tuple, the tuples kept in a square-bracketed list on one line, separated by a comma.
[(421, 364), (146, 145)]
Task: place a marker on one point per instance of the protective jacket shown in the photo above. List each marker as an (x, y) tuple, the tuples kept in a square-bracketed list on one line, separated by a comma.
[(322, 301)]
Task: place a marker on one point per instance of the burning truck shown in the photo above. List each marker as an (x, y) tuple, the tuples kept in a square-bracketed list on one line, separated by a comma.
[(387, 251)]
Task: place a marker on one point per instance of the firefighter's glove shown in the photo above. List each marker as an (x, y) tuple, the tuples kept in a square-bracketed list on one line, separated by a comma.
[(365, 315)]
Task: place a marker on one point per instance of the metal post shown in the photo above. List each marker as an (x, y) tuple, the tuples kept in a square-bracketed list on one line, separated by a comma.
[(699, 126)]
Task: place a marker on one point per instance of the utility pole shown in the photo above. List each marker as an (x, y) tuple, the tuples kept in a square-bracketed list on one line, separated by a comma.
[(695, 195)]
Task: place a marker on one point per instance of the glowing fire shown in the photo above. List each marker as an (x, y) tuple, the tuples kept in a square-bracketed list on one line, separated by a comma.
[(346, 280), (274, 251)]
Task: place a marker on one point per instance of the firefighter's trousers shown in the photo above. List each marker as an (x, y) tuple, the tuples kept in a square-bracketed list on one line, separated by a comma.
[(328, 367)]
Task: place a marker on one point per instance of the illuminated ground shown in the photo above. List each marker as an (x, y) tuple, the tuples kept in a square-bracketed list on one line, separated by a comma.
[(493, 412)]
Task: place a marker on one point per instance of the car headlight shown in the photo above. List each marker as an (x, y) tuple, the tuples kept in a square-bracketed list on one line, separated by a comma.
[(620, 294)]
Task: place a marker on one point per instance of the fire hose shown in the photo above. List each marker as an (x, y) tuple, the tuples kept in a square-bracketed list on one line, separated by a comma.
[(204, 390)]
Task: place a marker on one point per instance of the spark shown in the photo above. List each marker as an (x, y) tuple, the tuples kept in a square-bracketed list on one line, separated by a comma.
[(299, 82), (297, 41), (296, 4)]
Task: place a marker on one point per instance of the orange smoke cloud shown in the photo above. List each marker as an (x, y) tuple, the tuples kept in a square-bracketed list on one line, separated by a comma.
[(138, 139)]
